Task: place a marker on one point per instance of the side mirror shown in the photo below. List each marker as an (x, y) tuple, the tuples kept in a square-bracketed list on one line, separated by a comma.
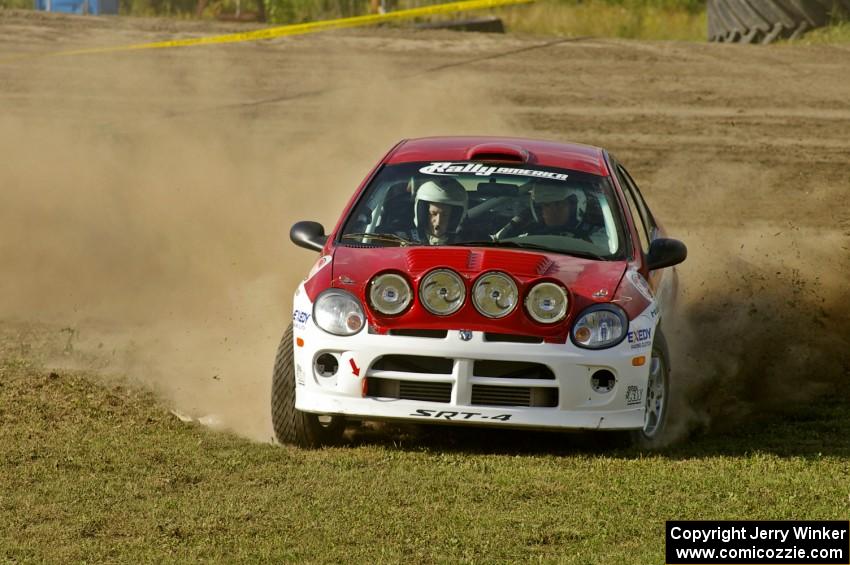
[(665, 253), (309, 235)]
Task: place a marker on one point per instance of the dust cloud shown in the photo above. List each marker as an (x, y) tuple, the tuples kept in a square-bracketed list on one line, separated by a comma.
[(152, 217), (147, 198), (763, 321)]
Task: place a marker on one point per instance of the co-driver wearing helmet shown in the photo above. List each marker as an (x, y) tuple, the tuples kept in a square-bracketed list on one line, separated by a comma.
[(439, 212), (557, 210), (553, 210), (566, 211)]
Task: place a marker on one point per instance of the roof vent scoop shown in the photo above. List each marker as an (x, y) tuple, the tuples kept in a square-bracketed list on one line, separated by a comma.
[(498, 152)]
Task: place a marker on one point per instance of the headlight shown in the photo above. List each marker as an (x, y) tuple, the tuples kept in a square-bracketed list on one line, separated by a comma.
[(338, 312), (389, 294), (547, 303), (442, 292), (495, 295), (600, 326)]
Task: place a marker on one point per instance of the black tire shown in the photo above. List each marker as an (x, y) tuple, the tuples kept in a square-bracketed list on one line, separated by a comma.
[(292, 425), (764, 21), (656, 431)]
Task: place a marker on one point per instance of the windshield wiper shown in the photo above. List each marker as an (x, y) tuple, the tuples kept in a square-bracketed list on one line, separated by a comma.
[(388, 237), (518, 245)]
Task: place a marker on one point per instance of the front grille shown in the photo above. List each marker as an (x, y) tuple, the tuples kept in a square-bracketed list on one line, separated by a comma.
[(408, 390), (510, 338), (512, 370), (414, 364), (433, 334), (491, 383), (486, 395)]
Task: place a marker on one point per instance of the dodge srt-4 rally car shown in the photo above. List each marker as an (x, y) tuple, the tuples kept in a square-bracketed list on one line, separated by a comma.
[(487, 282)]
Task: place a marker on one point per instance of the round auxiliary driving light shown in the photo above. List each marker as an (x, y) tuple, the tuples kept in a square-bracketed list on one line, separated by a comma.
[(389, 294), (495, 295), (547, 303), (442, 292)]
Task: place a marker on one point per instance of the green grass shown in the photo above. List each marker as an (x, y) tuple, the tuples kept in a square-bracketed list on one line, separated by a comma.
[(635, 19), (631, 19), (838, 33), (102, 472), (16, 4), (683, 20)]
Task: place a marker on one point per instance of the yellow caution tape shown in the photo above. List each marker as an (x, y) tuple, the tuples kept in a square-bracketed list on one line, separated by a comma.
[(312, 27)]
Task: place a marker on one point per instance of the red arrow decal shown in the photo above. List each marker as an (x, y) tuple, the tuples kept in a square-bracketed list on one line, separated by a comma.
[(354, 368)]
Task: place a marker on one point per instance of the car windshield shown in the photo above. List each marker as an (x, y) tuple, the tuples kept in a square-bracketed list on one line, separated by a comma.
[(479, 204)]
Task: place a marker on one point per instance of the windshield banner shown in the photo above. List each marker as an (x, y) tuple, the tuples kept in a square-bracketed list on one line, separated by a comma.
[(449, 168)]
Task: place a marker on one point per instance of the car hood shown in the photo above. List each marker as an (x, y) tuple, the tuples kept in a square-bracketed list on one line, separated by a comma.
[(588, 278), (588, 281)]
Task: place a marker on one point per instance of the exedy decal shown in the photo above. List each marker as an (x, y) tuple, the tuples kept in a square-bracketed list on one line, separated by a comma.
[(451, 415), (640, 338), (299, 319), (449, 168)]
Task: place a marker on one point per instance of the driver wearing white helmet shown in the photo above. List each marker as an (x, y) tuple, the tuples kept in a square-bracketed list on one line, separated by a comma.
[(439, 210)]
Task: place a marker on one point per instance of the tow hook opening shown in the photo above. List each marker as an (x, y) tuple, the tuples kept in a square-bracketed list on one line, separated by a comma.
[(326, 365), (602, 381)]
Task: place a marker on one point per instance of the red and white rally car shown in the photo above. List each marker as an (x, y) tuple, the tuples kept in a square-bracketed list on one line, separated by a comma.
[(482, 281)]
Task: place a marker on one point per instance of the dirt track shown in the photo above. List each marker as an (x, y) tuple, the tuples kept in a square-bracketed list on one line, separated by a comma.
[(154, 189)]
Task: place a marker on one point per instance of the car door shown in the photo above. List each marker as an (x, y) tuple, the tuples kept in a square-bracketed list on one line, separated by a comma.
[(636, 210), (662, 281)]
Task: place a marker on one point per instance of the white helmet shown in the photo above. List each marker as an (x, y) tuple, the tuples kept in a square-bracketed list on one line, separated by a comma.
[(546, 193), (442, 191)]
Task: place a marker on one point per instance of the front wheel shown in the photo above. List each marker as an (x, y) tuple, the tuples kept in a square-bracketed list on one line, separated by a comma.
[(290, 424), (655, 431)]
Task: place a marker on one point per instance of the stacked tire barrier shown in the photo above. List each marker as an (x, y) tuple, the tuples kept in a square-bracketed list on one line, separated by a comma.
[(764, 21)]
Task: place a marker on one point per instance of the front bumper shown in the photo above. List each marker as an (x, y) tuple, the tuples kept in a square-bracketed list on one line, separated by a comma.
[(454, 391)]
